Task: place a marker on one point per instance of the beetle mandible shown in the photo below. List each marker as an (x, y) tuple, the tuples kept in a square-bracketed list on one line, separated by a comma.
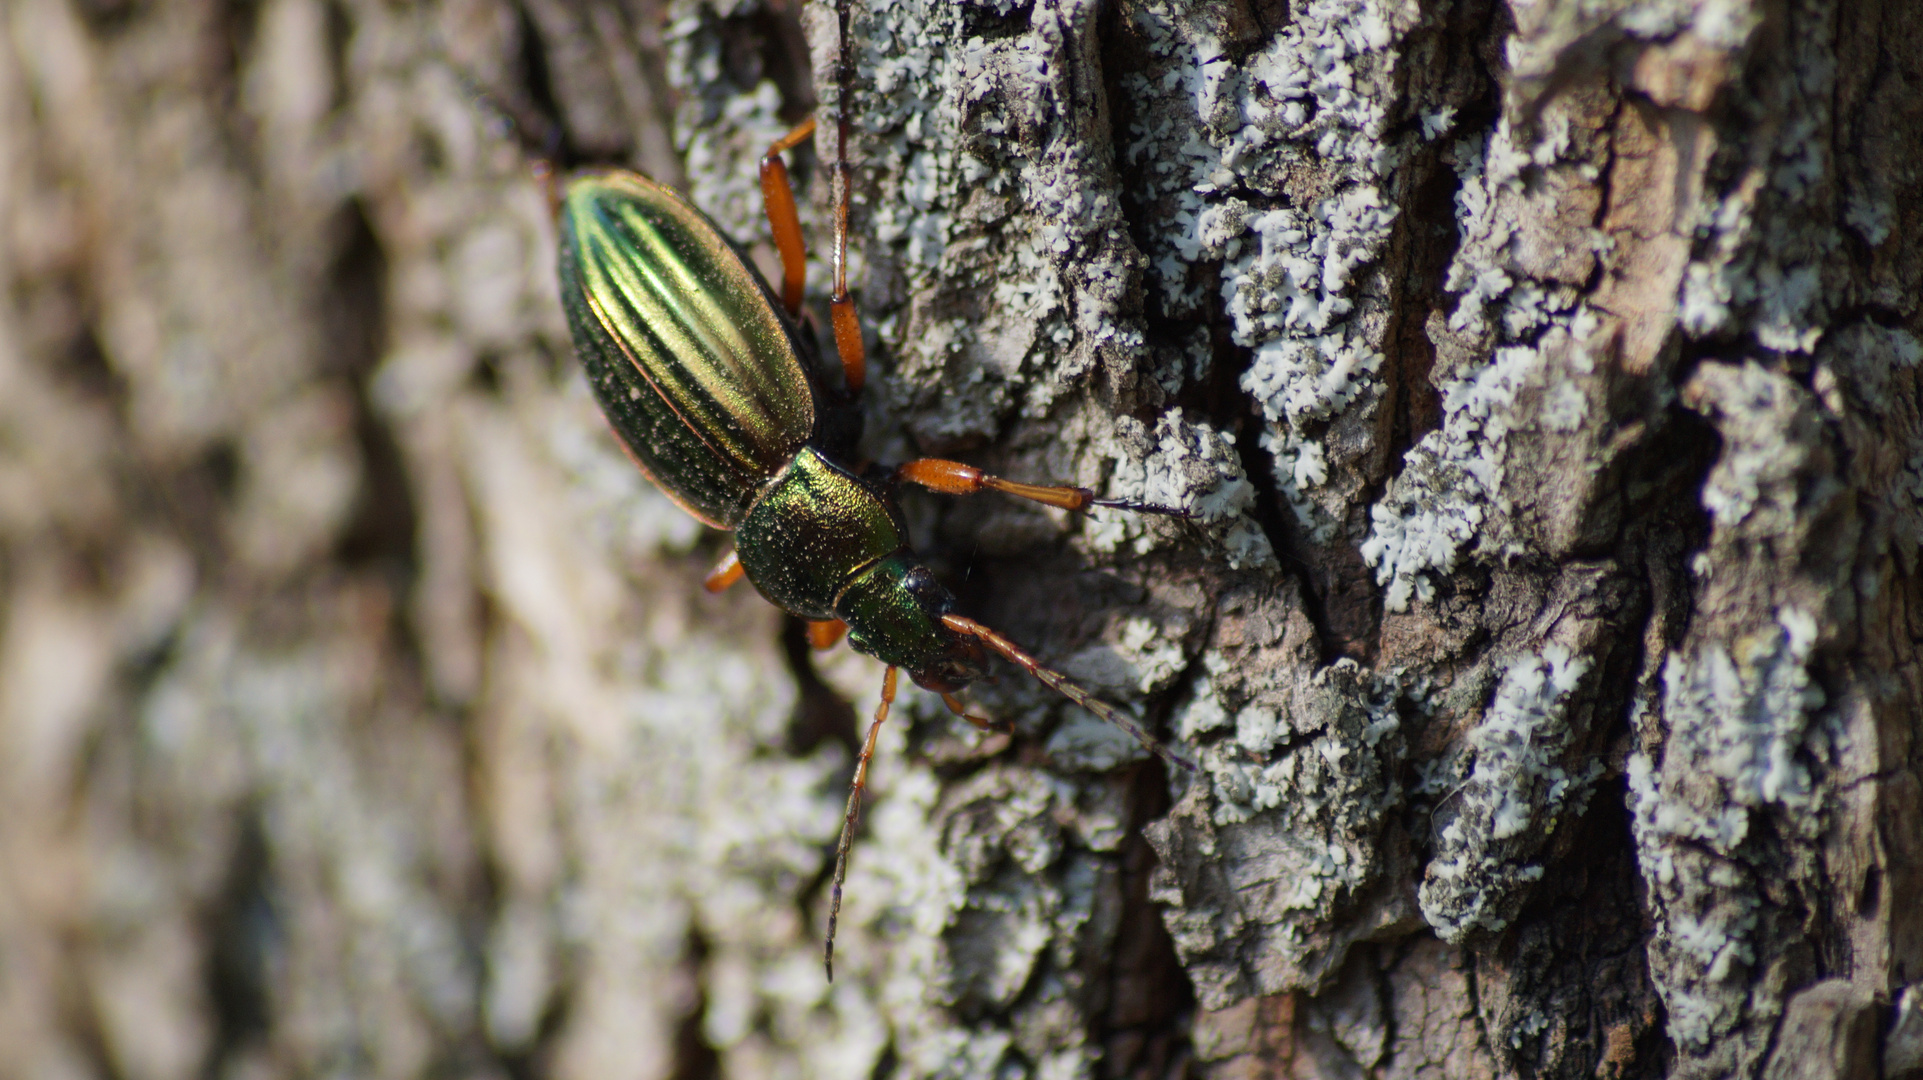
[(710, 384)]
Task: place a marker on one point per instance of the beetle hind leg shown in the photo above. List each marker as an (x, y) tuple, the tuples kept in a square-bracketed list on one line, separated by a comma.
[(785, 222), (841, 305), (778, 196)]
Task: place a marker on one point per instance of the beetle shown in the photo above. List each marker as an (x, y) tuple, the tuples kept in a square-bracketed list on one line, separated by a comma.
[(710, 383)]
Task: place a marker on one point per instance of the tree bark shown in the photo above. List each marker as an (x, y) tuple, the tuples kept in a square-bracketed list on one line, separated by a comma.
[(1543, 378)]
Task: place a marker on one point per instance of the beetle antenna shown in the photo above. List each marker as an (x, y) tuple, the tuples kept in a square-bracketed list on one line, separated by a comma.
[(847, 840), (1060, 683), (1138, 507)]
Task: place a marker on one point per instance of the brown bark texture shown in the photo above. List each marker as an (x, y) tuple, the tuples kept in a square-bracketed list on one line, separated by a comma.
[(1543, 377)]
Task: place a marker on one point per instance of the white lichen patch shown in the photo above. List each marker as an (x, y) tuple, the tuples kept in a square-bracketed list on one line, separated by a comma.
[(1449, 497), (1222, 164), (1286, 819), (1142, 658), (1743, 717), (976, 899), (1300, 465), (1451, 481), (722, 132), (1766, 242), (1733, 793), (1754, 706), (1190, 467), (944, 112), (1517, 790)]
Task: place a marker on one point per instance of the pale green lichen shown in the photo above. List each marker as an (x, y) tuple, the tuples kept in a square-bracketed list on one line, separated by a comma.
[(1287, 821), (1518, 789), (1215, 161)]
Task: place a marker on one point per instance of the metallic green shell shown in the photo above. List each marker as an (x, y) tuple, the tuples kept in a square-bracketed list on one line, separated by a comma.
[(696, 371), (810, 534), (892, 620)]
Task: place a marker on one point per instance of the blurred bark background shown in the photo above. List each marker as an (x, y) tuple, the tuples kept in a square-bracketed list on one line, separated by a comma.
[(1544, 376)]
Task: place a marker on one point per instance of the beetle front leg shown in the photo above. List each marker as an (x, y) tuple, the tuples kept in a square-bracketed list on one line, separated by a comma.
[(954, 478), (855, 788), (955, 706)]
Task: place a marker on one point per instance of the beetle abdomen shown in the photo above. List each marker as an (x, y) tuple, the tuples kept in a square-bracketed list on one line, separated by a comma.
[(694, 368)]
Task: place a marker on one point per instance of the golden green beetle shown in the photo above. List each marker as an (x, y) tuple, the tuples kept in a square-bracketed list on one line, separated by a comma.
[(710, 384)]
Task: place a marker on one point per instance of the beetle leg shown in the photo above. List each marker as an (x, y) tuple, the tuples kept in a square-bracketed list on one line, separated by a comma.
[(854, 812), (1060, 683), (824, 634), (955, 706), (725, 573), (779, 197), (954, 478), (784, 221), (841, 305)]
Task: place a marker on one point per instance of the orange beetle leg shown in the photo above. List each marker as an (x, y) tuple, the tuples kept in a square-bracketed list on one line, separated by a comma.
[(955, 706), (725, 573), (824, 634), (783, 220)]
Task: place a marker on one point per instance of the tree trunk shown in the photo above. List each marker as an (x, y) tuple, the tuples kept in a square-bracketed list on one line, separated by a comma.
[(1543, 378)]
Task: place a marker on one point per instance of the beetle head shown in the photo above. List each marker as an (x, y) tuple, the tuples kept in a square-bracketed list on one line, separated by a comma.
[(894, 611)]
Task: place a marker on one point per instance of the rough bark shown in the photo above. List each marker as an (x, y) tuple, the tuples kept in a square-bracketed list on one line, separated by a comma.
[(1544, 377)]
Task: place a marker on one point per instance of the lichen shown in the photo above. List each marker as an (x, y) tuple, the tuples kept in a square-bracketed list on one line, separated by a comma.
[(1449, 496), (1740, 706), (1282, 833), (1221, 150), (1742, 720), (1519, 787)]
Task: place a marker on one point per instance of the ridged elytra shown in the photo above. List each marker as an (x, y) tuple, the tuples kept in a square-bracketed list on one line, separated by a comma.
[(708, 381)]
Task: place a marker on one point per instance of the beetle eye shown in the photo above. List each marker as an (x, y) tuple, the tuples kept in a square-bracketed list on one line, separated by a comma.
[(921, 584)]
